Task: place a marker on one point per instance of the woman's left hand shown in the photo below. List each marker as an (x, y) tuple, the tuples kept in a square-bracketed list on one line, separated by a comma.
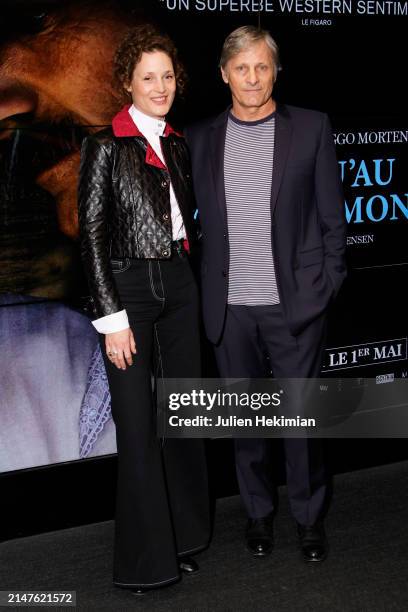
[(119, 348)]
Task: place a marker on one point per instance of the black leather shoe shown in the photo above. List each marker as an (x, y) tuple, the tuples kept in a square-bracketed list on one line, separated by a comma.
[(259, 536), (312, 541), (188, 566)]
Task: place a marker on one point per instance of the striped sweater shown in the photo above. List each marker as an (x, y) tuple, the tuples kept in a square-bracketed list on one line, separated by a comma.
[(248, 165)]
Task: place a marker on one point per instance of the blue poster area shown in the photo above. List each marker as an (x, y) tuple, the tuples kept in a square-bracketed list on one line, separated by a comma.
[(372, 167), (54, 401), (54, 396)]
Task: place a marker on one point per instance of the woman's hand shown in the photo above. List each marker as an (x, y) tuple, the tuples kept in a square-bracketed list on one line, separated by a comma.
[(119, 348)]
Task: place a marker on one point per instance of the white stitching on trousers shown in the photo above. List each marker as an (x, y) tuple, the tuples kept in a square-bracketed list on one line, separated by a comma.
[(161, 299)]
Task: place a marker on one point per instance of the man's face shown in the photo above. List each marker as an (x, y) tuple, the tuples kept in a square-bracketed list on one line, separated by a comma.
[(153, 84), (250, 75)]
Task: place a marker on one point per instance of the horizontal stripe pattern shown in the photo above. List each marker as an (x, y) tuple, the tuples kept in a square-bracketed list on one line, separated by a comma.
[(248, 166)]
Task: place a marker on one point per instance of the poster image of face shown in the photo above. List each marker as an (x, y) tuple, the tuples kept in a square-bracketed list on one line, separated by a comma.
[(55, 87)]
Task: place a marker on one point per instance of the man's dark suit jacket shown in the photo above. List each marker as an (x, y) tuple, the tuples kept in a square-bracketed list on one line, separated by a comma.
[(307, 210)]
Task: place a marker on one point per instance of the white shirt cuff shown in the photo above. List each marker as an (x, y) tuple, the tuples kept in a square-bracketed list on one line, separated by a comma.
[(115, 322)]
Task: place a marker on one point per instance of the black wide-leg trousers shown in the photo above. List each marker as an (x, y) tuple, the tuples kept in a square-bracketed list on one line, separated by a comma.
[(251, 334), (162, 508)]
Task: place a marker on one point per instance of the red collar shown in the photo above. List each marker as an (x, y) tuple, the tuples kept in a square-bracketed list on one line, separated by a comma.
[(123, 125)]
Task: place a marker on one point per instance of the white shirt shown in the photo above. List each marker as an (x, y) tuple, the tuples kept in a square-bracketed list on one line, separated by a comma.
[(152, 129)]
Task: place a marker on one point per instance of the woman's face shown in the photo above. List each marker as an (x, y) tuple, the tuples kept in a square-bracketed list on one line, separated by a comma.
[(153, 84)]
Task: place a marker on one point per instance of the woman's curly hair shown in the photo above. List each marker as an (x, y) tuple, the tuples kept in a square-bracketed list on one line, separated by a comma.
[(144, 39)]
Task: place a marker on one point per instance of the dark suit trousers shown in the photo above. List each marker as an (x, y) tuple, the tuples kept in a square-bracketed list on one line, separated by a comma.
[(162, 492), (250, 334)]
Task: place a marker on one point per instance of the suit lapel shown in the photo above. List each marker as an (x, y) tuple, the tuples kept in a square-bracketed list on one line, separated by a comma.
[(217, 146), (283, 134)]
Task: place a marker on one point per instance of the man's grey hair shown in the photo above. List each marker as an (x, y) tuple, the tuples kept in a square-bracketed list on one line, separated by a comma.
[(244, 37)]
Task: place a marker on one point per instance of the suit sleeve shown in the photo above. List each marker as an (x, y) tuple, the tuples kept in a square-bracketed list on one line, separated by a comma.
[(330, 204), (94, 194)]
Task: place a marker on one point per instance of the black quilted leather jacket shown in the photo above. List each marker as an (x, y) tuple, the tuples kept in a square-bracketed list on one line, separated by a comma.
[(124, 206)]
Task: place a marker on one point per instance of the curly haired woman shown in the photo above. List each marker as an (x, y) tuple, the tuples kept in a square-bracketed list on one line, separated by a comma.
[(137, 231)]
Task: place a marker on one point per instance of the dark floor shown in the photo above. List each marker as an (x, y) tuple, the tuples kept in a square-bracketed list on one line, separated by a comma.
[(367, 569)]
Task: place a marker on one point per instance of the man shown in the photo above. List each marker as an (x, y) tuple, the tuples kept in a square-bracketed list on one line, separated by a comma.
[(270, 202)]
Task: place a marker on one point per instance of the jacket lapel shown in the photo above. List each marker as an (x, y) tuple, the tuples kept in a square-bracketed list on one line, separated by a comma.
[(218, 133), (283, 134)]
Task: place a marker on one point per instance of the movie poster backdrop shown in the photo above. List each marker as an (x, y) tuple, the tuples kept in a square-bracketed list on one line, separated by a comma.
[(346, 58)]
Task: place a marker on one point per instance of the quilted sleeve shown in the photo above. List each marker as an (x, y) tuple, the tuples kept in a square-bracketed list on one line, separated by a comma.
[(94, 196)]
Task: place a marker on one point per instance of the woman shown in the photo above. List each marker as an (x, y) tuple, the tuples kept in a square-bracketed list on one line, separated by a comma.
[(136, 224)]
